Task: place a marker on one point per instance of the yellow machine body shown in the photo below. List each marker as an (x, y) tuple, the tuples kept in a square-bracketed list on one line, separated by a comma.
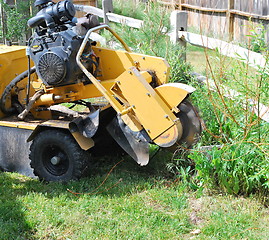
[(134, 85), (13, 61), (124, 77)]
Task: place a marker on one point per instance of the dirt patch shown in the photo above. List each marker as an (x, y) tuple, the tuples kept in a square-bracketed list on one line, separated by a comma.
[(196, 207)]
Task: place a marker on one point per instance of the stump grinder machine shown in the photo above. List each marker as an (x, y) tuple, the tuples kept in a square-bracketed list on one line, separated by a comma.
[(127, 101)]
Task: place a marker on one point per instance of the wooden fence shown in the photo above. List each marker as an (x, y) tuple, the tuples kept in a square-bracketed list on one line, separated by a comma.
[(230, 19), (226, 19)]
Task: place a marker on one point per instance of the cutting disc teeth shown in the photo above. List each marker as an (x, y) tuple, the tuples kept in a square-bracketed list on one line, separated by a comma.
[(191, 125)]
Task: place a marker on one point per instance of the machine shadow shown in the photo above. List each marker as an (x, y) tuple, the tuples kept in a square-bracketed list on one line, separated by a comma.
[(13, 223), (122, 175)]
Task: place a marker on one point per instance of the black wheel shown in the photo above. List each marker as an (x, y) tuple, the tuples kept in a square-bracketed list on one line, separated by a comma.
[(56, 156)]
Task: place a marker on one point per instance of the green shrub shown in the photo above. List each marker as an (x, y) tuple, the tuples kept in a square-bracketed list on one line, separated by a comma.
[(16, 20), (241, 165), (239, 168), (257, 37)]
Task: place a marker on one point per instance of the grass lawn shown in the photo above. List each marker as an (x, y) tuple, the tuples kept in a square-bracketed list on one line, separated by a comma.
[(134, 203)]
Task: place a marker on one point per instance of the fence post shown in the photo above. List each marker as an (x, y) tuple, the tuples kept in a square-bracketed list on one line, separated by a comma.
[(230, 19), (179, 21), (180, 2), (107, 7)]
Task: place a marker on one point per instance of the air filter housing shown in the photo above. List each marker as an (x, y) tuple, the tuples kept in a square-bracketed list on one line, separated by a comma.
[(51, 68)]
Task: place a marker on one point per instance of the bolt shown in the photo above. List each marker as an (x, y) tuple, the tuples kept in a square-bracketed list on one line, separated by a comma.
[(143, 58), (166, 116), (57, 97), (148, 94), (130, 72)]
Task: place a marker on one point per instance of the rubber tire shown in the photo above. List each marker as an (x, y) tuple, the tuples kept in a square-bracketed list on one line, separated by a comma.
[(74, 160)]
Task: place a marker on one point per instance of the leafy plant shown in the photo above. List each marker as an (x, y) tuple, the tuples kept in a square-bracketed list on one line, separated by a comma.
[(238, 168), (240, 165), (16, 18), (257, 38)]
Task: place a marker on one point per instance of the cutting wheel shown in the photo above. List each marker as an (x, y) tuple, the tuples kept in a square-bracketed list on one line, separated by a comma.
[(191, 125)]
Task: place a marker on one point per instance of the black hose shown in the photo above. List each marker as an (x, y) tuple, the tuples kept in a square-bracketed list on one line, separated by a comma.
[(29, 79), (9, 88)]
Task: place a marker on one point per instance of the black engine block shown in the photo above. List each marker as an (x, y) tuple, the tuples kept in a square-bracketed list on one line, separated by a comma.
[(55, 57), (55, 43)]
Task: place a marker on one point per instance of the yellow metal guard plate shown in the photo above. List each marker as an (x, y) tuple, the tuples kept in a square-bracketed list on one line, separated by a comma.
[(153, 114)]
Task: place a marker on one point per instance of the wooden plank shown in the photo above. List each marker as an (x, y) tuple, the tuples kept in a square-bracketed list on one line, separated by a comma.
[(232, 11), (265, 8), (89, 9), (131, 22), (249, 15), (254, 59), (230, 19), (204, 9), (180, 3)]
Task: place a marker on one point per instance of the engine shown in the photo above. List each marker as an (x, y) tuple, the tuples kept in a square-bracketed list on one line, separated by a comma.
[(56, 41)]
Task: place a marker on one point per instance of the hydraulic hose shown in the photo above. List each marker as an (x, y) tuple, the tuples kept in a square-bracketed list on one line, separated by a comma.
[(9, 88)]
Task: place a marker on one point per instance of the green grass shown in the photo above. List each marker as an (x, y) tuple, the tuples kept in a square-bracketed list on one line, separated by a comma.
[(144, 204)]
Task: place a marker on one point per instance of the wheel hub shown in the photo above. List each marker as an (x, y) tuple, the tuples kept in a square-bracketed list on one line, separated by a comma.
[(55, 160)]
